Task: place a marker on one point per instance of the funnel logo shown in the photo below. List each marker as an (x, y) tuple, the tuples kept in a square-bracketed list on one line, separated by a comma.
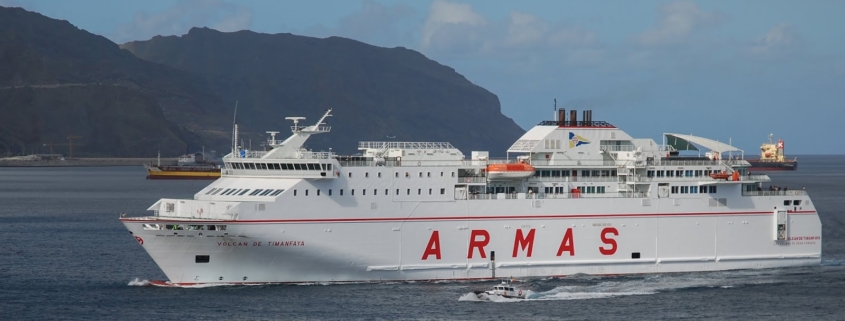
[(575, 140)]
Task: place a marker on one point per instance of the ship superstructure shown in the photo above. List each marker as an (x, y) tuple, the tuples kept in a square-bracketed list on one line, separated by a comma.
[(572, 196), (772, 157)]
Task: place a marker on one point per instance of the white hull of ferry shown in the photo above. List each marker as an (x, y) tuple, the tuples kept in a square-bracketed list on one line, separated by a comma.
[(391, 245), (599, 202)]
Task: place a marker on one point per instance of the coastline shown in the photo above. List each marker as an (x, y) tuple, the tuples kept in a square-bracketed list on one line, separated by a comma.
[(84, 162)]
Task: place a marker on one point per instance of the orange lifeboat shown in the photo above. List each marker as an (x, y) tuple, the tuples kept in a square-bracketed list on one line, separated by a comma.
[(509, 171), (723, 175)]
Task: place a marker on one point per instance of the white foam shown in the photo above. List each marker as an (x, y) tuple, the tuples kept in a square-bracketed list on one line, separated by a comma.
[(139, 282)]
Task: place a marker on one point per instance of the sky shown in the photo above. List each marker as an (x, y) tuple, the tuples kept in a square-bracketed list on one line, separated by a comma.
[(734, 71)]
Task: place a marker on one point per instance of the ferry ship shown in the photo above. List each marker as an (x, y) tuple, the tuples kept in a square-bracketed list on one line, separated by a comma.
[(189, 166), (772, 158), (572, 196)]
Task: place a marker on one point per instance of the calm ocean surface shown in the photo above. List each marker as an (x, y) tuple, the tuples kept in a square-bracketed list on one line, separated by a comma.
[(64, 255)]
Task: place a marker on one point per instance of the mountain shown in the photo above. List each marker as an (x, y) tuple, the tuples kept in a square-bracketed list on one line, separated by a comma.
[(375, 92), (57, 80), (178, 93)]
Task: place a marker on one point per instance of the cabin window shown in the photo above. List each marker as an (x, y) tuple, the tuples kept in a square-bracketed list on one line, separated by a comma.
[(375, 191), (363, 191), (684, 189), (202, 259), (600, 189), (428, 174), (693, 189), (408, 192), (396, 174), (453, 174), (442, 191), (386, 191), (429, 191), (787, 202), (585, 173), (350, 174), (419, 191), (318, 192), (674, 190), (441, 174), (420, 174), (330, 192), (341, 192), (294, 193), (407, 175), (306, 192), (796, 202), (352, 192), (679, 173), (367, 175), (660, 173), (711, 189), (379, 174)]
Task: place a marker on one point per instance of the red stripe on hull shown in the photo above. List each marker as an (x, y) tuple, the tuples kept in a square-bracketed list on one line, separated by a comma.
[(452, 218)]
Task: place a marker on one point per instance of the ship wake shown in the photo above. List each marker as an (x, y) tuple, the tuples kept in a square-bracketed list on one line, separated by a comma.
[(591, 287)]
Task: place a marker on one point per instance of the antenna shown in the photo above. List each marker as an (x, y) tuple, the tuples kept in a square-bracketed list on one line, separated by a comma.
[(272, 138), (295, 120), (235, 131)]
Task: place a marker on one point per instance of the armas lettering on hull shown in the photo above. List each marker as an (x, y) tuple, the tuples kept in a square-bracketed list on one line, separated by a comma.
[(522, 242)]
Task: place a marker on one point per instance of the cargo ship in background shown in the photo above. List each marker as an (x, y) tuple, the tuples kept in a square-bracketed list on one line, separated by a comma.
[(598, 202), (189, 166), (772, 158)]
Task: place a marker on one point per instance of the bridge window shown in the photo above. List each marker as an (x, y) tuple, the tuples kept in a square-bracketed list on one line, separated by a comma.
[(277, 166), (796, 202), (255, 192), (787, 202), (243, 192), (211, 191), (277, 192), (268, 191)]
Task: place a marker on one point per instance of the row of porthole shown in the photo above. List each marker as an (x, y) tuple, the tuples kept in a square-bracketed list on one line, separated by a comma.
[(396, 174), (375, 192)]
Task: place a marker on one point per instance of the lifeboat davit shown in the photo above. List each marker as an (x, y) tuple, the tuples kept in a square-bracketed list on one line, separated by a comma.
[(509, 171)]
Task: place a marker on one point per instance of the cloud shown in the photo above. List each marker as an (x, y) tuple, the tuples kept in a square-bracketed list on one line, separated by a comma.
[(780, 39), (184, 15), (678, 20), (454, 28), (375, 23)]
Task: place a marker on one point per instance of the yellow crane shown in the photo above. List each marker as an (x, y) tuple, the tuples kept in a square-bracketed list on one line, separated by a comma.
[(69, 144), (70, 139)]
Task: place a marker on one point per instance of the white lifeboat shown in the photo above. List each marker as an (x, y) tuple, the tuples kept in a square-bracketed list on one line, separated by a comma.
[(509, 171)]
